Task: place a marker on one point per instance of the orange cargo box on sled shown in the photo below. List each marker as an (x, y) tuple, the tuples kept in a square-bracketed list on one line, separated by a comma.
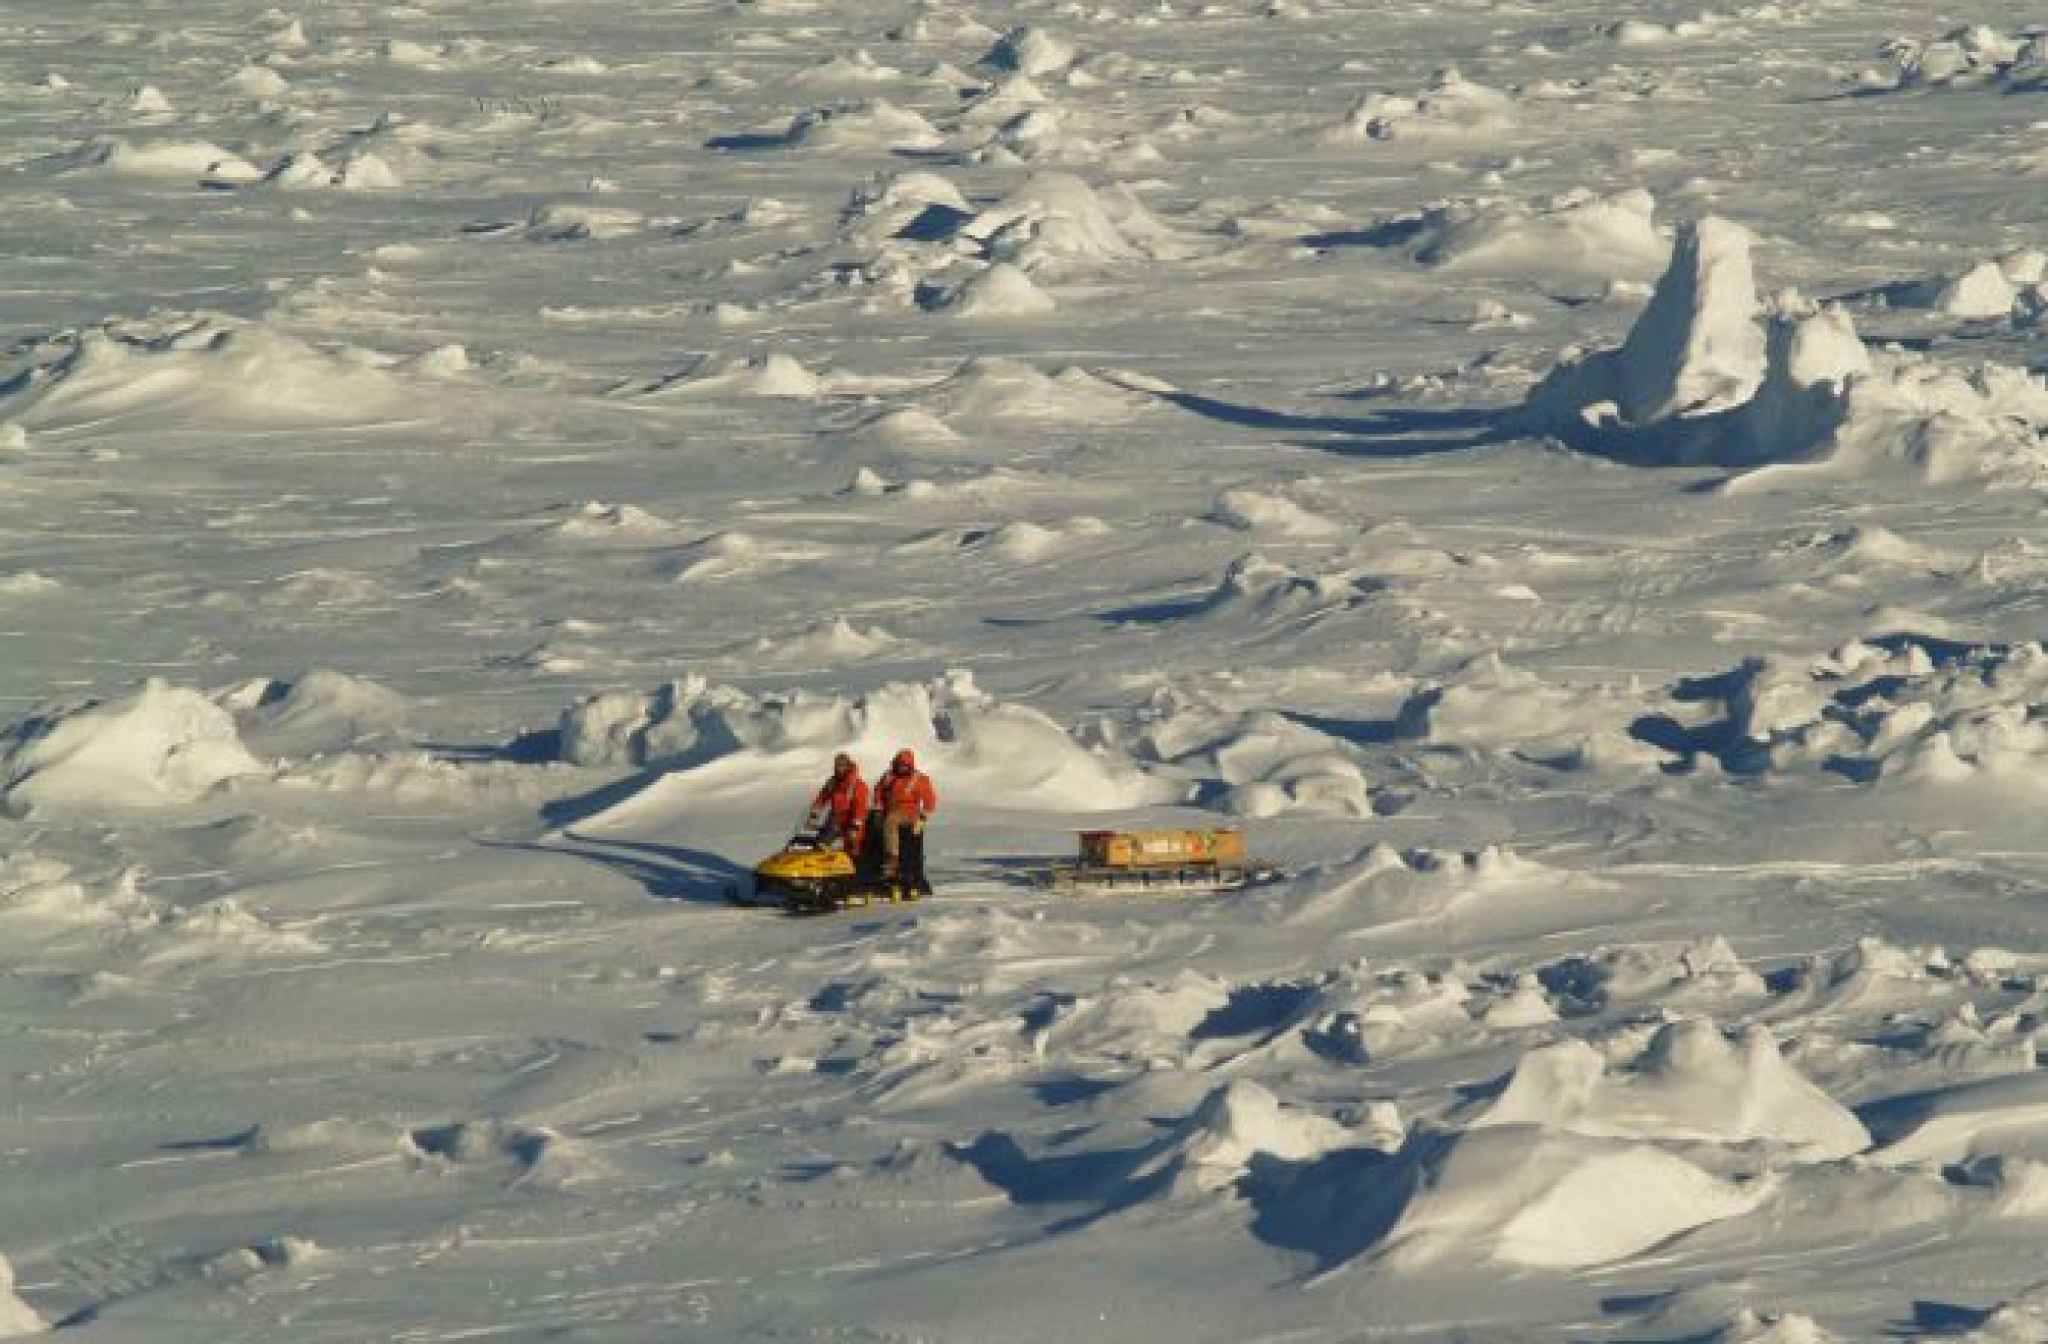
[(1192, 860), (1162, 849)]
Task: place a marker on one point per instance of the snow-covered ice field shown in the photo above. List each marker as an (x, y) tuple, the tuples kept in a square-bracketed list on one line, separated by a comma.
[(1566, 479)]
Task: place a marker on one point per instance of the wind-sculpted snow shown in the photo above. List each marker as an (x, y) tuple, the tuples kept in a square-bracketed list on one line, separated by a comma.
[(1449, 106), (1980, 56), (1900, 714), (200, 370), (158, 746), (1547, 1198), (1698, 381), (1561, 480), (1689, 1082), (1576, 234), (322, 711), (1491, 705), (1056, 224), (17, 1318), (982, 747)]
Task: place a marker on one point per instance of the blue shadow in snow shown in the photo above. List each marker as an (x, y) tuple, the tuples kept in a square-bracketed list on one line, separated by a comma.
[(668, 872), (1387, 434)]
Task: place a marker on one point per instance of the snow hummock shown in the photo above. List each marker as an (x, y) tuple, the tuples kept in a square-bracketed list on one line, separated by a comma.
[(156, 746)]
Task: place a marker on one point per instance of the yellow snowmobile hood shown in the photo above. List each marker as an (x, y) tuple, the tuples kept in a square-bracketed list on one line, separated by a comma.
[(805, 864)]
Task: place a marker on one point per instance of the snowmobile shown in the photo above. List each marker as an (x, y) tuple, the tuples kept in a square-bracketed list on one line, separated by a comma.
[(813, 874)]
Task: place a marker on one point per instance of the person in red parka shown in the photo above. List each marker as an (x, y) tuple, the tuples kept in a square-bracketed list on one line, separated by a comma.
[(906, 800), (841, 807)]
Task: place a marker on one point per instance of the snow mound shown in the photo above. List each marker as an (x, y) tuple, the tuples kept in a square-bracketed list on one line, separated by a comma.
[(1579, 234), (571, 222), (914, 206), (258, 81), (1265, 765), (1214, 1147), (336, 1138), (1386, 886), (863, 125), (595, 521), (504, 1151), (1136, 1021), (1000, 291), (322, 711), (858, 69), (1014, 543), (1450, 106), (193, 161), (1706, 973), (904, 428), (1988, 1118), (16, 1316), (1367, 1015), (1690, 1083), (157, 746), (1982, 291), (1975, 57), (1056, 222), (1688, 386), (1494, 706), (46, 892), (974, 746), (1273, 515), (830, 643), (246, 1262), (725, 556), (1006, 98), (1265, 590), (1721, 1314), (769, 375), (227, 922), (1551, 1199), (1031, 51), (992, 388), (204, 370)]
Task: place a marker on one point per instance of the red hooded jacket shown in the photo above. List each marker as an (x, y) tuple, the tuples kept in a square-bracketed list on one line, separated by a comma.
[(845, 800), (906, 790)]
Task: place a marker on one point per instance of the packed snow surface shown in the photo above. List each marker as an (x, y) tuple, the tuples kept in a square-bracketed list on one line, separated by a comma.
[(1564, 480)]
